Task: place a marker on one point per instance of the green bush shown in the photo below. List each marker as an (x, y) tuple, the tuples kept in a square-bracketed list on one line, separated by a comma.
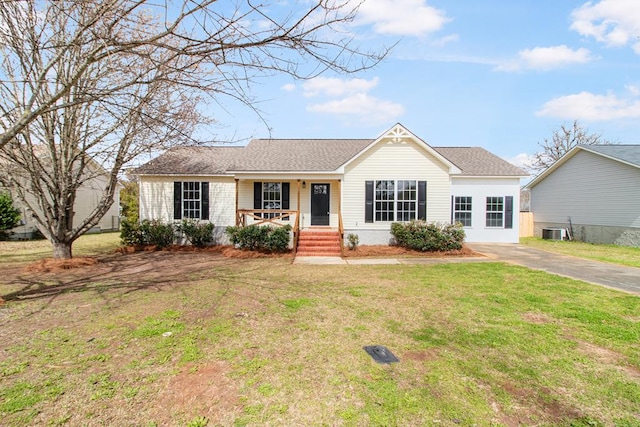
[(130, 233), (353, 240), (260, 238), (431, 237), (9, 215), (147, 232), (199, 234)]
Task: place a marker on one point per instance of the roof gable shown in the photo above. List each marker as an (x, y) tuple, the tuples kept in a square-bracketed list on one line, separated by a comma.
[(399, 133), (626, 154)]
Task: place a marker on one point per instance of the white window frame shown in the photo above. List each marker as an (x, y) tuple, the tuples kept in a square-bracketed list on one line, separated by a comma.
[(495, 212), (463, 207), (191, 199), (390, 203)]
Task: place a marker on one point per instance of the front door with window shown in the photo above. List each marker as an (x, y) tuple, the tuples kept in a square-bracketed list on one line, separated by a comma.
[(320, 204)]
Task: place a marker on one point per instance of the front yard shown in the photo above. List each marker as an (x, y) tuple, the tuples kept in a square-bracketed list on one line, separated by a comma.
[(180, 338)]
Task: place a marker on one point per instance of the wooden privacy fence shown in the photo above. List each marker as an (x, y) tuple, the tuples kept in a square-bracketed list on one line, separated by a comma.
[(526, 224)]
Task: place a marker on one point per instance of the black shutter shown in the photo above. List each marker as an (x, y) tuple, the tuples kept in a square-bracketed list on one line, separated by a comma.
[(508, 212), (422, 200), (286, 188), (204, 196), (453, 208), (257, 197), (368, 205), (177, 200)]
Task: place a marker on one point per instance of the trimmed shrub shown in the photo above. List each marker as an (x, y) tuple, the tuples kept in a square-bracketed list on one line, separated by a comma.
[(428, 237), (199, 234), (260, 238), (147, 232)]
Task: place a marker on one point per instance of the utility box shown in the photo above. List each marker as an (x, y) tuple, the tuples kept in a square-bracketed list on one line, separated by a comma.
[(553, 233)]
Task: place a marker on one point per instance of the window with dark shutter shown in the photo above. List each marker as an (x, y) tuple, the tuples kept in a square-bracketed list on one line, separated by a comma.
[(177, 200), (422, 200), (508, 212), (368, 204), (204, 214)]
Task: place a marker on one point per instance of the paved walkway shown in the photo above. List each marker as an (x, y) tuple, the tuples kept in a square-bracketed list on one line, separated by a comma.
[(618, 277)]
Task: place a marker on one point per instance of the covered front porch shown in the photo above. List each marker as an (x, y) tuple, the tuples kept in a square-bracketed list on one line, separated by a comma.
[(308, 204)]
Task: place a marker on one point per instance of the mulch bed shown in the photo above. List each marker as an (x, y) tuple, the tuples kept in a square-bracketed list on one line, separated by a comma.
[(49, 265)]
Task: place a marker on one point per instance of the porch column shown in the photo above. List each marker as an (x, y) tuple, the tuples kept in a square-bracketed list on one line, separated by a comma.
[(298, 205), (237, 201)]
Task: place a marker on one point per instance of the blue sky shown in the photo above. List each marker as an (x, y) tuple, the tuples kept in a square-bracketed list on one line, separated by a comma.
[(498, 74)]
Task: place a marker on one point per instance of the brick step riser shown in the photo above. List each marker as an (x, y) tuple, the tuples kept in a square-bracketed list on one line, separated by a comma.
[(318, 243)]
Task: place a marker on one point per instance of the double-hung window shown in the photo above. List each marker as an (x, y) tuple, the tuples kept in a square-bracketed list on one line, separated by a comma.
[(395, 200), (190, 200), (495, 212), (462, 210), (271, 196)]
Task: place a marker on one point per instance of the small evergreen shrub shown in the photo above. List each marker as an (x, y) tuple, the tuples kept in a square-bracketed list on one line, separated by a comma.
[(130, 233), (157, 233), (199, 234), (353, 241), (147, 232), (9, 215), (260, 237), (428, 237)]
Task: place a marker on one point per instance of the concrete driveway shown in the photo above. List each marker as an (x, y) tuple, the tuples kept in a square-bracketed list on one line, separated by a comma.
[(610, 275)]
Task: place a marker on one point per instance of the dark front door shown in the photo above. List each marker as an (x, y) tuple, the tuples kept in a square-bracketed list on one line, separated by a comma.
[(319, 204)]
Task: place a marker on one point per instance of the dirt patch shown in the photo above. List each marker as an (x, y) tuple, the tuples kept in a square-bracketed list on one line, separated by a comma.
[(536, 405), (205, 390), (608, 357), (536, 318), (421, 356)]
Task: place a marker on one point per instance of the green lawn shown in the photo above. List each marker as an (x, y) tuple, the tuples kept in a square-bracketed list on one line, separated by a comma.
[(33, 250), (263, 342), (623, 255)]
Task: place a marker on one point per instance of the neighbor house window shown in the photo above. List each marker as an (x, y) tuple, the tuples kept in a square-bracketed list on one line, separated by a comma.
[(462, 210), (495, 211), (190, 200), (395, 200)]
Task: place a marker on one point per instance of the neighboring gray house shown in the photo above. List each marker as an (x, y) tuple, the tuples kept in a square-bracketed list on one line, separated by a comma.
[(355, 186), (596, 189)]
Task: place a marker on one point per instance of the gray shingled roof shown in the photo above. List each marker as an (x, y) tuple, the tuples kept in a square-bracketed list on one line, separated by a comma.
[(192, 161), (626, 153), (304, 155), (476, 161), (290, 155)]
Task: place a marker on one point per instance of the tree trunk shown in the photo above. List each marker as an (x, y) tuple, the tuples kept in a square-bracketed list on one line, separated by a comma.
[(61, 250)]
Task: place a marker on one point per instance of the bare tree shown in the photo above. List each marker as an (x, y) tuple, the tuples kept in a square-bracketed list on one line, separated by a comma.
[(86, 87), (563, 140)]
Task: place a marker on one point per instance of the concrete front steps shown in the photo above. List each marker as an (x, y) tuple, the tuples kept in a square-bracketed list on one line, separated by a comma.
[(319, 242)]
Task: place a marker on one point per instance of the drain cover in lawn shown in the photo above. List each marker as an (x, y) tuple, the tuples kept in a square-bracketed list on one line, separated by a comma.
[(381, 354)]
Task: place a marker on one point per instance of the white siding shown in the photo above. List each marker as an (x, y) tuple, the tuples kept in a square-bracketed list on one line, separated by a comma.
[(156, 198), (589, 189), (479, 189), (392, 161)]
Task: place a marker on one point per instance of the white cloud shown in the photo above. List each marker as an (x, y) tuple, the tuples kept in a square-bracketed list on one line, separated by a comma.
[(289, 87), (546, 58), (613, 22), (401, 17), (589, 106), (366, 108), (337, 87)]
